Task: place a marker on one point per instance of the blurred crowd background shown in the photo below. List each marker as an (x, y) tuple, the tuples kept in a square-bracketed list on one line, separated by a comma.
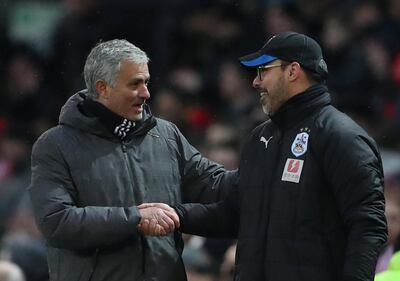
[(196, 82)]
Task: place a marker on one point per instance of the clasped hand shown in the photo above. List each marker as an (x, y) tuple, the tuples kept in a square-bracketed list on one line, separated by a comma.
[(157, 219)]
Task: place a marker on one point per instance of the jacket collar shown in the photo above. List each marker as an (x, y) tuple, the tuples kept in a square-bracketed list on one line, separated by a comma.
[(302, 105), (98, 120)]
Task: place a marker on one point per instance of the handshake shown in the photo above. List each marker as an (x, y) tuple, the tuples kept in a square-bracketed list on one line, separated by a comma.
[(157, 219)]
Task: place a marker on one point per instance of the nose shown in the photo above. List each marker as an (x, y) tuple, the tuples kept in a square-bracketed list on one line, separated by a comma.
[(256, 82), (144, 92)]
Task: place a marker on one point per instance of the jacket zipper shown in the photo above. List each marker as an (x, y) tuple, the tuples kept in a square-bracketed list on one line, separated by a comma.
[(142, 239), (95, 255), (123, 146), (269, 191)]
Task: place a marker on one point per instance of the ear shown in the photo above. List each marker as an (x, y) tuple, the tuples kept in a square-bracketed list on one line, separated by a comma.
[(294, 71), (101, 89)]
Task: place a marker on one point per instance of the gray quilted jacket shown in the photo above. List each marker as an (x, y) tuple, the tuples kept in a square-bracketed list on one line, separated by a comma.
[(85, 186)]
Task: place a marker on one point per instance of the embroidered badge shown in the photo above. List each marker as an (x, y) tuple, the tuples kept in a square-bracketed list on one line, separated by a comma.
[(299, 145), (264, 140), (292, 170)]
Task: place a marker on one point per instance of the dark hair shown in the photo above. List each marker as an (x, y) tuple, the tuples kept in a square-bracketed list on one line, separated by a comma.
[(313, 77)]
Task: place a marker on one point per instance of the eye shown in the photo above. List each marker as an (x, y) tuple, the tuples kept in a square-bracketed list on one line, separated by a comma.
[(138, 82)]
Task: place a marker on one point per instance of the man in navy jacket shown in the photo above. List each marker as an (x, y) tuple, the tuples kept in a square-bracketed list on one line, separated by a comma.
[(309, 203)]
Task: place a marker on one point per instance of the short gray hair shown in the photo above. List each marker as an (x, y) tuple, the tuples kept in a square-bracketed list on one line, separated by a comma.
[(104, 62)]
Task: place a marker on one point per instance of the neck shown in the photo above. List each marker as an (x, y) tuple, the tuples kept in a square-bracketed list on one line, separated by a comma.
[(297, 88)]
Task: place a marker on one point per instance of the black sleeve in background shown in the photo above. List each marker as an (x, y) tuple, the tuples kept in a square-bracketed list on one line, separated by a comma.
[(204, 181), (212, 220)]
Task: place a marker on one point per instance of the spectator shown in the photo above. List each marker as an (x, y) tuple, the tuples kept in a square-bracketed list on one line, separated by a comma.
[(10, 272)]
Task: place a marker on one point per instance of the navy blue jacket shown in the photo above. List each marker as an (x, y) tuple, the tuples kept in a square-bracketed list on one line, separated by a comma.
[(309, 205)]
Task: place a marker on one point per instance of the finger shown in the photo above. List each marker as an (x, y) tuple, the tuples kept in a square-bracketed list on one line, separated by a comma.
[(144, 227), (153, 224), (174, 217), (161, 231), (145, 205), (144, 221), (140, 226), (170, 212), (163, 206), (156, 205), (166, 222)]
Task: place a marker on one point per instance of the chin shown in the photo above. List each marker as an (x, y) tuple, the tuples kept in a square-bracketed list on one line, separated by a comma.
[(136, 117), (265, 109)]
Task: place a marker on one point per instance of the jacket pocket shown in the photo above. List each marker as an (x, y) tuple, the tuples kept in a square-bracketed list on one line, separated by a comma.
[(66, 265), (93, 267)]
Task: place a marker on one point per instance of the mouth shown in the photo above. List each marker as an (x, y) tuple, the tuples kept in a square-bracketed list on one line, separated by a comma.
[(138, 107), (263, 94)]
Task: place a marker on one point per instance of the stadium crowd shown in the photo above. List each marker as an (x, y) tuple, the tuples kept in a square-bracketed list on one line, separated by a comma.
[(196, 82)]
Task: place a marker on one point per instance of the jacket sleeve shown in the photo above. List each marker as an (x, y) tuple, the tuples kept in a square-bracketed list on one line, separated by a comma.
[(212, 220), (353, 168), (204, 181), (63, 223)]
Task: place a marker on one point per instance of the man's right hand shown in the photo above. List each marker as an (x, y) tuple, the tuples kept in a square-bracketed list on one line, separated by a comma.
[(157, 219)]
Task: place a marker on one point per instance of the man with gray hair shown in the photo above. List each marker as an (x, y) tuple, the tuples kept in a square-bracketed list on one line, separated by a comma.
[(106, 156)]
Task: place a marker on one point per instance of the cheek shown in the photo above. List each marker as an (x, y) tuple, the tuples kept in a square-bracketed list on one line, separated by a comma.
[(133, 93), (265, 83), (128, 95)]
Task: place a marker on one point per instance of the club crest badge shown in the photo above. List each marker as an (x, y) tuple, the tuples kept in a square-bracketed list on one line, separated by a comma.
[(299, 145)]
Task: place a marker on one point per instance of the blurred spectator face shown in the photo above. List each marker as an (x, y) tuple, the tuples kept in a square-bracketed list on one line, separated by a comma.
[(79, 7), (187, 80), (393, 219), (228, 264), (220, 134), (28, 253), (377, 58), (365, 15), (197, 276), (313, 9), (232, 83), (127, 96), (23, 76), (14, 156), (14, 149), (224, 155), (23, 221), (278, 20), (394, 9), (213, 24), (167, 105), (335, 34), (220, 140), (10, 272)]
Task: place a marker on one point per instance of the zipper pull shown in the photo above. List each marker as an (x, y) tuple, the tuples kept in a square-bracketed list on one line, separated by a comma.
[(123, 146)]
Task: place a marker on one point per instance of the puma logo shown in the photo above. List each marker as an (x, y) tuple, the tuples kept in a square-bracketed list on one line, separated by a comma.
[(264, 140)]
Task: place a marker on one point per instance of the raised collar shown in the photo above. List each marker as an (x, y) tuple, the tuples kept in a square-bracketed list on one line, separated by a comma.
[(120, 127), (302, 105)]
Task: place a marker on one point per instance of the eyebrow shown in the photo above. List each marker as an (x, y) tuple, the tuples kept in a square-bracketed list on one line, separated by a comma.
[(139, 79)]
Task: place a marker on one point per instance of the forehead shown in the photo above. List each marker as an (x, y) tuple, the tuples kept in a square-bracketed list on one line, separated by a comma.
[(273, 62), (131, 69)]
